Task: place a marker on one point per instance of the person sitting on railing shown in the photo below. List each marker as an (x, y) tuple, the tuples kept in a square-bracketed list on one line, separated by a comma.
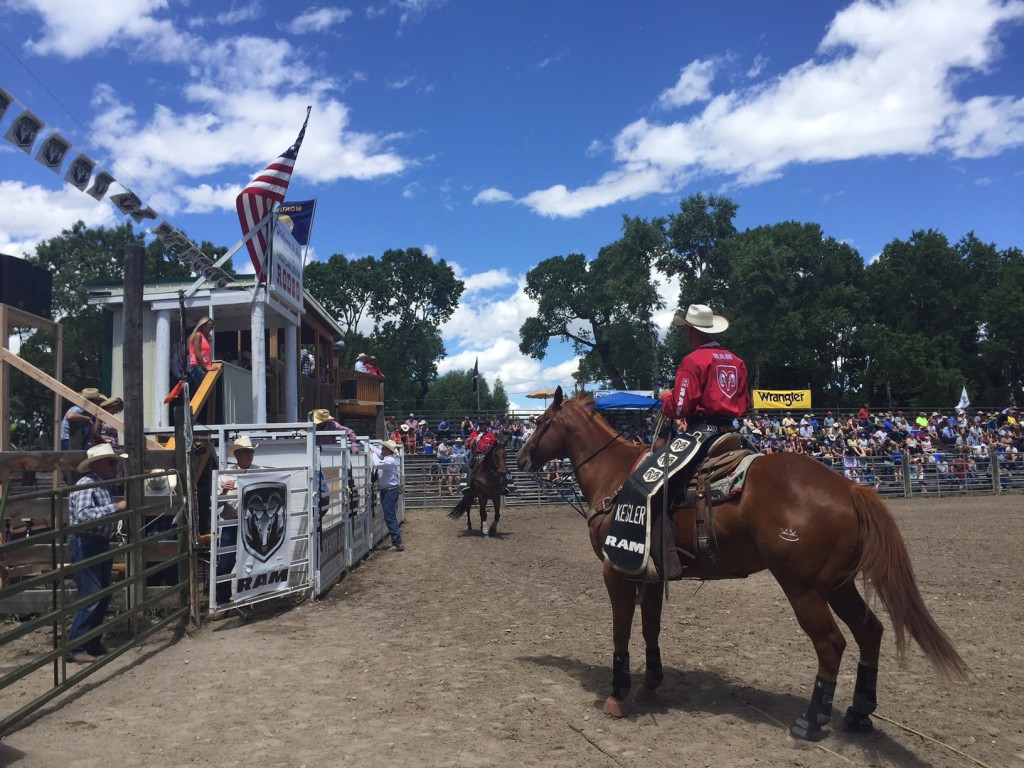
[(92, 505)]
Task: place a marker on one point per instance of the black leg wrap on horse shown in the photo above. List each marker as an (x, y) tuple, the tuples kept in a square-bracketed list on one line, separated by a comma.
[(621, 682), (865, 700), (654, 672), (819, 712)]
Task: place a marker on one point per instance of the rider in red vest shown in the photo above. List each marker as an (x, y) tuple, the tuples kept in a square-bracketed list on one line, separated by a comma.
[(477, 445)]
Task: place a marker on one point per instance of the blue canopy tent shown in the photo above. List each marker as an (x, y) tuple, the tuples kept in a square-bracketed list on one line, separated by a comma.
[(619, 401)]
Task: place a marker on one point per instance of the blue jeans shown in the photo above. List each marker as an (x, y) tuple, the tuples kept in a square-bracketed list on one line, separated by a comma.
[(89, 581), (226, 553), (389, 500)]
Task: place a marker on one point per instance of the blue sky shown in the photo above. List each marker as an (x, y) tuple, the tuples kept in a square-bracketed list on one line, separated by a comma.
[(495, 135)]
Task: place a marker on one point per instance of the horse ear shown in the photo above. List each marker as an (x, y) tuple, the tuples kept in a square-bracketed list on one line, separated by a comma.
[(558, 397)]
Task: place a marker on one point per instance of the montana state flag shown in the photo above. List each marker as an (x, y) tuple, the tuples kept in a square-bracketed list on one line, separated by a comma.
[(298, 217)]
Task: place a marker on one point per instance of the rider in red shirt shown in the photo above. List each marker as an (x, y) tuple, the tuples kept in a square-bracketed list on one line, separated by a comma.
[(711, 383)]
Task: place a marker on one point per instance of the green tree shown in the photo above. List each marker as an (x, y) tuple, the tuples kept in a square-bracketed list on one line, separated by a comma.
[(453, 395), (922, 293), (794, 300), (695, 251), (345, 288), (604, 307)]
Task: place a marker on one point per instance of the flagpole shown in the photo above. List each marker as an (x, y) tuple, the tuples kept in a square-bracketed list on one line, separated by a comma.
[(309, 235)]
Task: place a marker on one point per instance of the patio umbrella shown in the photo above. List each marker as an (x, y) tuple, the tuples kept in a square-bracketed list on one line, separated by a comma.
[(542, 394)]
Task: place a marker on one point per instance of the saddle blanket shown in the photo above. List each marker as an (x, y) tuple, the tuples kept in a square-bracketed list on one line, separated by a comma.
[(627, 546)]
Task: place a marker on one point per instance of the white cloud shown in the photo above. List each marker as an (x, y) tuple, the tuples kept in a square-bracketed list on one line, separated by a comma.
[(694, 84), (492, 195), (883, 83), (760, 62), (317, 20), (32, 213), (248, 12), (72, 28)]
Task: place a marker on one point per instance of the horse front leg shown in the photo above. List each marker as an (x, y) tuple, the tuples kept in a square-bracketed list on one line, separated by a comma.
[(493, 530), (650, 613), (483, 515), (622, 594)]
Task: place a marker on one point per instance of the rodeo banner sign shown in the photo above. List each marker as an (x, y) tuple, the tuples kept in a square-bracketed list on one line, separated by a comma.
[(264, 551), (778, 399)]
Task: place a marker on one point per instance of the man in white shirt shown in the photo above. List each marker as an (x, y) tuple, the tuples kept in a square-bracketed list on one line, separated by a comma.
[(385, 461)]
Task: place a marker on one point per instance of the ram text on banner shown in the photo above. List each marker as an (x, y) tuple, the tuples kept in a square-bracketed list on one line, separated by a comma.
[(264, 550), (774, 399), (265, 191)]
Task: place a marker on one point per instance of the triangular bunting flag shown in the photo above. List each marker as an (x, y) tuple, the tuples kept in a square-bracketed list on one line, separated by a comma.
[(53, 151), (79, 172), (24, 131)]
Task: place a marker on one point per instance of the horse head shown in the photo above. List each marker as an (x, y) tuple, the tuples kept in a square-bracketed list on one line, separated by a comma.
[(547, 441)]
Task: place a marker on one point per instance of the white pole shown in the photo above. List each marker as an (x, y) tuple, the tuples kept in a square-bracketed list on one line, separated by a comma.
[(259, 361), (291, 373), (162, 380)]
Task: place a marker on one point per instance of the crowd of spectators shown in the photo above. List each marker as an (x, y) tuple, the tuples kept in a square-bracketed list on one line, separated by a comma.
[(867, 447), (870, 447)]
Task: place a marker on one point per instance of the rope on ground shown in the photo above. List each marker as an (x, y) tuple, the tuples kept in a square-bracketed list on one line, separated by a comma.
[(950, 747), (819, 746), (594, 744)]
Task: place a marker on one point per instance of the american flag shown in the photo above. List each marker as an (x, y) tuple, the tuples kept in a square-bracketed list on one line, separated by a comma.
[(259, 198)]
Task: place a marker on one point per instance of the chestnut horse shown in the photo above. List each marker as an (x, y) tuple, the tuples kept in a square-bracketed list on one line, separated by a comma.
[(813, 529), (485, 484)]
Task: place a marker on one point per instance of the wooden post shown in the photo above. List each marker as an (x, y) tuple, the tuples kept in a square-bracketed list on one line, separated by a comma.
[(134, 269)]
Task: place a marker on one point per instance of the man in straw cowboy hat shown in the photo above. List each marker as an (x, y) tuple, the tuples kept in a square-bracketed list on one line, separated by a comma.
[(78, 427), (92, 505), (385, 461), (242, 451), (361, 359)]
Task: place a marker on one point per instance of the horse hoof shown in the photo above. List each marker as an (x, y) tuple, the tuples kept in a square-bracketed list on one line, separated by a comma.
[(857, 723), (616, 707), (805, 731), (643, 693)]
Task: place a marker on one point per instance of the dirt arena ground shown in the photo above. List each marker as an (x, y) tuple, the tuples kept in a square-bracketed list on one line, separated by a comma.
[(464, 651)]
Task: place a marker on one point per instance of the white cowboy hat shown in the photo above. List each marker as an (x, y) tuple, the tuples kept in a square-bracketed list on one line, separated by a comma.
[(701, 317), (242, 443), (390, 445), (361, 356), (97, 453), (404, 427), (161, 482)]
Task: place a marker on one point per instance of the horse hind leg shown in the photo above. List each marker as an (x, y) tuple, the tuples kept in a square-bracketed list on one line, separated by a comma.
[(816, 620), (867, 630)]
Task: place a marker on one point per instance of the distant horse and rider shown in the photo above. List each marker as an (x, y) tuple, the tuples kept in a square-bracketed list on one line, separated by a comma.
[(486, 480)]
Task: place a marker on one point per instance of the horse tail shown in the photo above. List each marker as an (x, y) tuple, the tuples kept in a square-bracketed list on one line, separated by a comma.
[(885, 561), (464, 505)]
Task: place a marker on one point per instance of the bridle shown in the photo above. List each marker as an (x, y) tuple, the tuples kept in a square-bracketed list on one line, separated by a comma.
[(619, 433)]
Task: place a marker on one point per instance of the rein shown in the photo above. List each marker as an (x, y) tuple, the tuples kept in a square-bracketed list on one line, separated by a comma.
[(616, 436)]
